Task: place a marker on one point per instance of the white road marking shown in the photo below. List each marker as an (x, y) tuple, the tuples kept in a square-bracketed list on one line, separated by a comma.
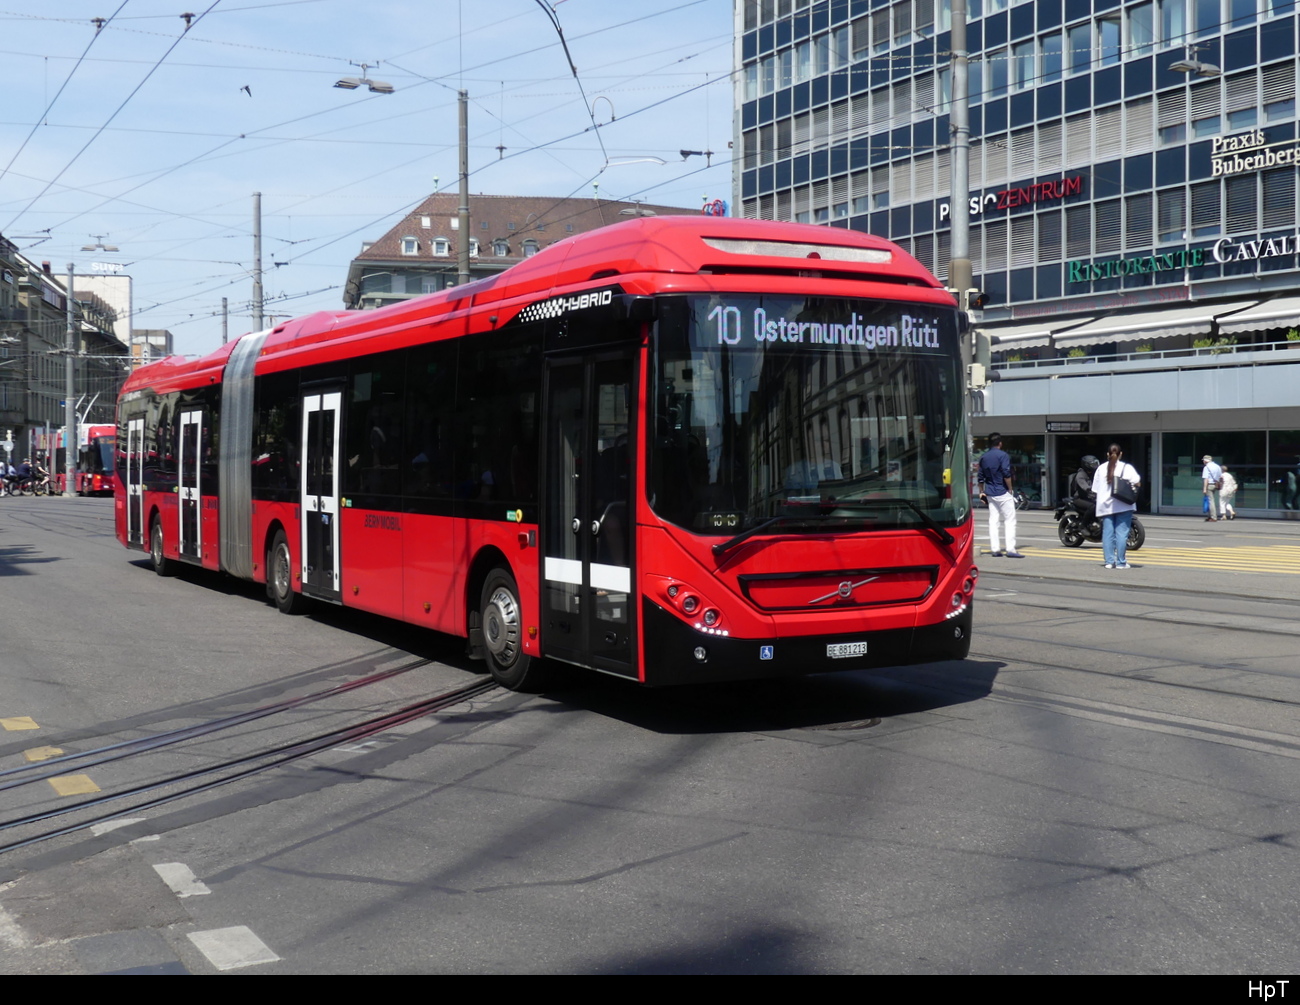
[(232, 948), (99, 830), (11, 936), (181, 879)]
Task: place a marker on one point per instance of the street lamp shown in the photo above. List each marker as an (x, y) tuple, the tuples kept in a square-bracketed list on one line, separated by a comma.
[(1194, 67), (99, 244), (352, 83)]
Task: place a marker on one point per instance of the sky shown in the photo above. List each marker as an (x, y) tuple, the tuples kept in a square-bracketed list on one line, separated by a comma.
[(152, 137)]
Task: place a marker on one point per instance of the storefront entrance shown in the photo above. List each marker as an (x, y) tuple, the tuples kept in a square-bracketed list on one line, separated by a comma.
[(1069, 449)]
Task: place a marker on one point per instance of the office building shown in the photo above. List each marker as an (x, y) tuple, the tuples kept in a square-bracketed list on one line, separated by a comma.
[(1132, 209)]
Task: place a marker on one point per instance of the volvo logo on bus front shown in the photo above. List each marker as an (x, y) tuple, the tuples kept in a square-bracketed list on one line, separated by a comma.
[(844, 591)]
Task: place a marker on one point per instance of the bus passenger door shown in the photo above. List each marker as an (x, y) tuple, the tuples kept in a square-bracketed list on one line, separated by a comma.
[(320, 494), (587, 596), (190, 500), (135, 481)]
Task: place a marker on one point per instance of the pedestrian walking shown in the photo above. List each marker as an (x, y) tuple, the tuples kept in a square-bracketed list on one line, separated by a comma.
[(997, 492), (1211, 483), (1227, 494), (1116, 484), (1290, 483)]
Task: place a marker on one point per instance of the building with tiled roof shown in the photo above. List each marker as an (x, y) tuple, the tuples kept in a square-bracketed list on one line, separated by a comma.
[(419, 255)]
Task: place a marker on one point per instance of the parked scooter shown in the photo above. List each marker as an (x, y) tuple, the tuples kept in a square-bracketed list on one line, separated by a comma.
[(1074, 526)]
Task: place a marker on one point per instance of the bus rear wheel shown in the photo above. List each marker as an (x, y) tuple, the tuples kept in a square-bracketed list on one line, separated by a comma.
[(279, 578), (162, 565), (501, 620)]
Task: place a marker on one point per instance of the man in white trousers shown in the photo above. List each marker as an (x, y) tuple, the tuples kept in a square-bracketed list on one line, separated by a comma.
[(996, 491)]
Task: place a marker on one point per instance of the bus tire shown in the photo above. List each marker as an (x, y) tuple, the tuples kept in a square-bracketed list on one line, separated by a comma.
[(501, 620), (279, 578), (158, 559)]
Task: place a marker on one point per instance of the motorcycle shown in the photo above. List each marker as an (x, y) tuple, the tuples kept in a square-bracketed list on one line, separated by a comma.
[(1074, 527)]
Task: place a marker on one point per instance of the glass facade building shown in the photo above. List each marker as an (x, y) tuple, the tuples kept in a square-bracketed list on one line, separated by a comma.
[(1132, 206)]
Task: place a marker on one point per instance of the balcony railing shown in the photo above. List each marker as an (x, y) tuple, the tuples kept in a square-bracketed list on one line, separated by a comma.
[(1164, 359)]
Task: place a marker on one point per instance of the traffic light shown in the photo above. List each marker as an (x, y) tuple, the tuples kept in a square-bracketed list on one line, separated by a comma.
[(976, 300)]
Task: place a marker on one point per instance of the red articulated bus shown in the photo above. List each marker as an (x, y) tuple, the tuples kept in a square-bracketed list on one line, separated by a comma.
[(676, 449)]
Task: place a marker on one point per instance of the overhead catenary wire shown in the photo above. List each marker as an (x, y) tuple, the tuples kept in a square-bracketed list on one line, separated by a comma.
[(125, 101), (317, 246), (62, 87)]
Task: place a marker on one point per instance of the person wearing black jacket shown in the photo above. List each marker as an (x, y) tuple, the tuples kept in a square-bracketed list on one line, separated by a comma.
[(1081, 493)]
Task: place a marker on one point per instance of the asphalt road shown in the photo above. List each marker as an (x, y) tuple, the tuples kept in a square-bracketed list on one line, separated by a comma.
[(1106, 785)]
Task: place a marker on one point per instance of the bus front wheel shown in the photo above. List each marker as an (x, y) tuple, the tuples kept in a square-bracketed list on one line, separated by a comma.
[(157, 556), (502, 625), (279, 578)]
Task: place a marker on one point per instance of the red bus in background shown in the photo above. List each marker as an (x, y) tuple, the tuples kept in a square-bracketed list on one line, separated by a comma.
[(95, 472), (675, 449)]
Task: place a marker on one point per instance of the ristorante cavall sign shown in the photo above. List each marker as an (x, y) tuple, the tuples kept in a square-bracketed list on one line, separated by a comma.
[(1024, 195)]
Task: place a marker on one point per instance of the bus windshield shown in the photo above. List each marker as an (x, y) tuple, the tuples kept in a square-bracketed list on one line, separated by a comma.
[(807, 414), (100, 455)]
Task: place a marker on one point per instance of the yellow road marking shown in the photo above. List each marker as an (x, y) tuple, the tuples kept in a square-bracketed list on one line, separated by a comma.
[(73, 785), (41, 753), (1276, 559), (19, 722)]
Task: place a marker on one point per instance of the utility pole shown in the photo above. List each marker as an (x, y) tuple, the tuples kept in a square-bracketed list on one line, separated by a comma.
[(225, 321), (257, 262), (462, 245), (959, 268), (70, 437)]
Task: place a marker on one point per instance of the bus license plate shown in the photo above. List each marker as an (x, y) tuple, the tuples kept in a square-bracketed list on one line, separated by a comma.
[(839, 650)]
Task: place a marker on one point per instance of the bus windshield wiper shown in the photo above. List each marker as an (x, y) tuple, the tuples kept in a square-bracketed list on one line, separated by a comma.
[(758, 528), (930, 522)]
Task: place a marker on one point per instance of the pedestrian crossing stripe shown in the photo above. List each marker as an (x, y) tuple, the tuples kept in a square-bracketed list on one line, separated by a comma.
[(1274, 558)]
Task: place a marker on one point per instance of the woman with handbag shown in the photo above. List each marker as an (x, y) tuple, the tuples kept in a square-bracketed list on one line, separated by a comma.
[(1116, 484)]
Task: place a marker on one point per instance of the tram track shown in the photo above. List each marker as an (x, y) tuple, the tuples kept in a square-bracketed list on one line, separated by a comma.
[(1133, 675), (1287, 616), (231, 769), (13, 778)]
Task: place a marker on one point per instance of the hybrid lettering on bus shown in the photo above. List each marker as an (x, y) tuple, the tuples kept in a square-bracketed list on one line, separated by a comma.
[(676, 449)]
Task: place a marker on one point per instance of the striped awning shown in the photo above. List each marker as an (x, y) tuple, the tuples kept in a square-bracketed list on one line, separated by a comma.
[(1009, 338), (1139, 327), (1280, 312)]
